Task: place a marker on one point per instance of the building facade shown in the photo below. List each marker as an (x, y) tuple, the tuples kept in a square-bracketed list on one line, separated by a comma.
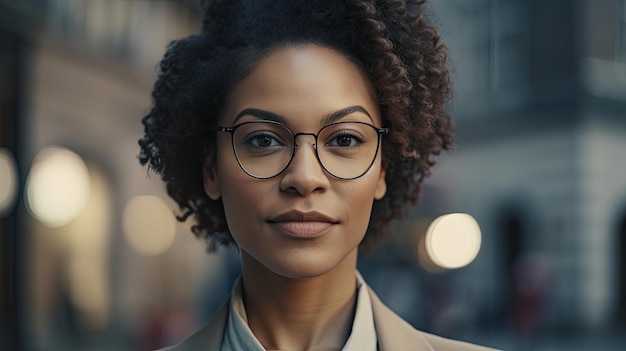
[(541, 154)]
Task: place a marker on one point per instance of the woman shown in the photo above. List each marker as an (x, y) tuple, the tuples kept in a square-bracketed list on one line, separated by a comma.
[(297, 130)]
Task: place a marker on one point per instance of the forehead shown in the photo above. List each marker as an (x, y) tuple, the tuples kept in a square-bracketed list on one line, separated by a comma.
[(302, 84)]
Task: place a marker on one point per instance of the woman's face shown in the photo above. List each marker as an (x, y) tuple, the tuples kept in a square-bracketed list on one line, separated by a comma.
[(303, 222)]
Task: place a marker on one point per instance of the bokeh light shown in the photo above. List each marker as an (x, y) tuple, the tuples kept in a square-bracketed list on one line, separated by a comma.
[(149, 225), (453, 240), (8, 181), (57, 187), (87, 257)]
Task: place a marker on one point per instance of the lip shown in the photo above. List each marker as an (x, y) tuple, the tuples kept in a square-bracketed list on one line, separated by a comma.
[(302, 225)]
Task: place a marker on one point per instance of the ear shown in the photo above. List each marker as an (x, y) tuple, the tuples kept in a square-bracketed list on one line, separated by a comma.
[(211, 180), (381, 186)]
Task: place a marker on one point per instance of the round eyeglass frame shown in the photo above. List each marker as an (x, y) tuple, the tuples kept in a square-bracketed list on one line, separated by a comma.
[(231, 130)]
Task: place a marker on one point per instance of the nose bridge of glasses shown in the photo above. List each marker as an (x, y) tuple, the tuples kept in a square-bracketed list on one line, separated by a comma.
[(295, 139)]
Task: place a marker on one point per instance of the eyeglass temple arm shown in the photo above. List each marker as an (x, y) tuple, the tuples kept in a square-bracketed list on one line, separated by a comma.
[(225, 129), (380, 131)]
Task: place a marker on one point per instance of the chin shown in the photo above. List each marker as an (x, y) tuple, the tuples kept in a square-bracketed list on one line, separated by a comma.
[(302, 272), (310, 265)]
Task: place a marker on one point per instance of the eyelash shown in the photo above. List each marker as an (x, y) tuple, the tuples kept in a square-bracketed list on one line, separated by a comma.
[(349, 134)]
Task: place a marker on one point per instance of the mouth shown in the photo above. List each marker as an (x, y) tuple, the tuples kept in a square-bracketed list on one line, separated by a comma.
[(302, 225)]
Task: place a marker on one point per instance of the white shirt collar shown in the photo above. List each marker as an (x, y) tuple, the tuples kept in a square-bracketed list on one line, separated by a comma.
[(238, 335)]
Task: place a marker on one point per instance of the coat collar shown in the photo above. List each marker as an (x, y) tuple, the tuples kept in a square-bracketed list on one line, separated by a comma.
[(208, 338), (392, 331)]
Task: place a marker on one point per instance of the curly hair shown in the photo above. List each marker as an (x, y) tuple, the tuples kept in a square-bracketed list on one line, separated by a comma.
[(398, 50)]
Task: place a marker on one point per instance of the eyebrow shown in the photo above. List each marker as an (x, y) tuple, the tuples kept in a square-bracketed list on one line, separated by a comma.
[(337, 115), (327, 119), (258, 113)]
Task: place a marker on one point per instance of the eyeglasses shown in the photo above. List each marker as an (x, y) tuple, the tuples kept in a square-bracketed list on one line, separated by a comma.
[(346, 150)]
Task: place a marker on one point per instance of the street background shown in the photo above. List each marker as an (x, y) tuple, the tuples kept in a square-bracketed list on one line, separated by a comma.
[(91, 257)]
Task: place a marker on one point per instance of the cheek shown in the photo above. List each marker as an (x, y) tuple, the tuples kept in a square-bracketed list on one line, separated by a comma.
[(240, 207), (244, 199), (239, 192), (358, 197)]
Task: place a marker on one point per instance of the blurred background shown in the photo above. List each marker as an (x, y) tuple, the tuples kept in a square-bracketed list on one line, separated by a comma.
[(91, 257)]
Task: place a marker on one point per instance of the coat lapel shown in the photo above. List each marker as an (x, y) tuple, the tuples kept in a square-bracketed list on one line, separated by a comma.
[(392, 332), (209, 338)]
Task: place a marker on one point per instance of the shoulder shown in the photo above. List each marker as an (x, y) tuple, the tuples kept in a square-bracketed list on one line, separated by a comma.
[(207, 338), (394, 333)]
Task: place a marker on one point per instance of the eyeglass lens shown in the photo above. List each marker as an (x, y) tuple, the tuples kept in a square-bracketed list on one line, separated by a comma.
[(346, 150)]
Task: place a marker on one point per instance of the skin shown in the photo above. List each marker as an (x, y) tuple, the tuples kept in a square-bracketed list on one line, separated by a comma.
[(299, 282)]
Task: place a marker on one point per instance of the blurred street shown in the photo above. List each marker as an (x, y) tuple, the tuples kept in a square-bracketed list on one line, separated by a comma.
[(601, 341), (93, 258)]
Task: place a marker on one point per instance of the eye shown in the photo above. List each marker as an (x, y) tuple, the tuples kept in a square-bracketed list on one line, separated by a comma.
[(345, 139), (262, 140)]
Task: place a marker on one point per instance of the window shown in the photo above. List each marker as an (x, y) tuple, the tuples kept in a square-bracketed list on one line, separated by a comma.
[(489, 43), (620, 35), (509, 44)]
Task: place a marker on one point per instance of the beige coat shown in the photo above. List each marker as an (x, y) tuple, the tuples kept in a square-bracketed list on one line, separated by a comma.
[(393, 333)]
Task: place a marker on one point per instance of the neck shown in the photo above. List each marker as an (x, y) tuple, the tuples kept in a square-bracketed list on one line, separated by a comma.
[(300, 313)]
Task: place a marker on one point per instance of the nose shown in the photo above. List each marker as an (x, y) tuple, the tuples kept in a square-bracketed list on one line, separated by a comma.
[(305, 174)]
